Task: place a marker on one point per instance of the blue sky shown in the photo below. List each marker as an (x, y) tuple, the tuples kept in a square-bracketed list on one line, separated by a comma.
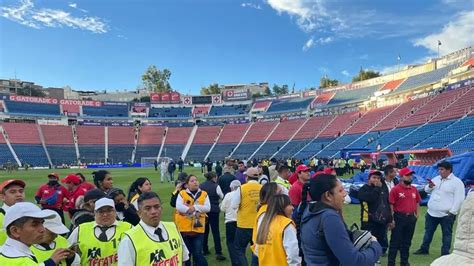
[(97, 45)]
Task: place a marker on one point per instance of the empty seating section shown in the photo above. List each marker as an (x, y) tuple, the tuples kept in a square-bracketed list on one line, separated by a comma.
[(340, 124), (400, 114), (261, 106), (259, 131), (364, 140), (5, 153), (149, 142), (354, 95), (71, 108), (171, 112), (469, 62), (466, 144), (245, 150), (313, 147), (291, 148), (33, 154), (26, 142), (425, 78), (269, 148), (338, 144), (313, 127), (228, 110), (32, 108), (419, 135), (222, 150), (462, 106), (388, 137), (289, 105), (370, 119), (176, 139), (91, 140), (451, 133), (121, 143), (201, 110), (229, 138), (202, 142), (279, 137), (324, 98), (60, 144), (106, 110), (392, 85), (431, 109)]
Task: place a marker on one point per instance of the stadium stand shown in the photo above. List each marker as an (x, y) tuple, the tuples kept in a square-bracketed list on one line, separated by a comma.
[(400, 114), (260, 106), (228, 139), (324, 98), (176, 139), (33, 109), (254, 138), (451, 133), (25, 140), (91, 141), (353, 95), (392, 85), (296, 104), (106, 110), (370, 119), (202, 142), (120, 144), (462, 106), (149, 141), (60, 144), (424, 78), (171, 112), (199, 111), (228, 110), (5, 154)]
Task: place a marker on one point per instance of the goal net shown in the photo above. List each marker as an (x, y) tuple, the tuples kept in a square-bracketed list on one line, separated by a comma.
[(150, 161)]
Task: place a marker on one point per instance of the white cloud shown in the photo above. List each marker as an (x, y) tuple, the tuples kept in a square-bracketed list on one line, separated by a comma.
[(345, 73), (325, 40), (455, 35), (309, 43), (251, 5), (26, 14), (73, 5)]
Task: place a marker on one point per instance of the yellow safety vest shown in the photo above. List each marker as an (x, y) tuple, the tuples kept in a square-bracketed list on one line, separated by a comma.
[(95, 252), (273, 252), (20, 261), (260, 212), (286, 184), (155, 253), (3, 233), (184, 222), (249, 198), (42, 255)]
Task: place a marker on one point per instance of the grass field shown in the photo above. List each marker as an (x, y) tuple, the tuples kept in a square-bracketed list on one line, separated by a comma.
[(123, 178)]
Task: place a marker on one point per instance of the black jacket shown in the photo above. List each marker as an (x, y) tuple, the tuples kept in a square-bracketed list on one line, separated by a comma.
[(374, 204), (224, 182)]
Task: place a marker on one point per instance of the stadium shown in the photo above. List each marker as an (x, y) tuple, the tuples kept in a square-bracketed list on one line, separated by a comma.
[(415, 116)]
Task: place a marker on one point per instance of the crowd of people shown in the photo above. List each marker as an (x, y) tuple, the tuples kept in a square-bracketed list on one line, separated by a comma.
[(287, 213)]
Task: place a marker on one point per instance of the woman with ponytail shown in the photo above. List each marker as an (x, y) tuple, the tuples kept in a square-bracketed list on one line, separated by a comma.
[(139, 186), (276, 242)]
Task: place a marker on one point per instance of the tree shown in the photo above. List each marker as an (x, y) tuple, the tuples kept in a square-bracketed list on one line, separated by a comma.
[(277, 90), (211, 89), (267, 91), (145, 99), (156, 80), (326, 82), (30, 91), (365, 74)]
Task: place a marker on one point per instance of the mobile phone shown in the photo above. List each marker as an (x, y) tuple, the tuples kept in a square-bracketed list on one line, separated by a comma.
[(74, 246), (430, 181)]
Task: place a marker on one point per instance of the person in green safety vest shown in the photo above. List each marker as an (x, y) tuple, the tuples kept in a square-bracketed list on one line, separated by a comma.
[(282, 178), (24, 226), (52, 240), (11, 192), (152, 241)]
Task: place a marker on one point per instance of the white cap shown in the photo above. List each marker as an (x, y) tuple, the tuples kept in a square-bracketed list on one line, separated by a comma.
[(24, 209), (55, 224), (104, 202)]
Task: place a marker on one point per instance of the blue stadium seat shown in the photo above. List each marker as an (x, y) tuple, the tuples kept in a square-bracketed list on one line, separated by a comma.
[(33, 154), (6, 155), (296, 104), (32, 108), (120, 153), (221, 151), (269, 148), (173, 151), (171, 112), (197, 152), (245, 150), (425, 78), (62, 154), (354, 95), (146, 151), (92, 153), (106, 111), (228, 110)]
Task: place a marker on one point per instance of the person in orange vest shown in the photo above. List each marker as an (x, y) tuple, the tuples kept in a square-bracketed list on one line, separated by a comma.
[(192, 205), (277, 243), (245, 201)]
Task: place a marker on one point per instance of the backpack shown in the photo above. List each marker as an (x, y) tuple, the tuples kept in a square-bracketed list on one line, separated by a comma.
[(360, 238)]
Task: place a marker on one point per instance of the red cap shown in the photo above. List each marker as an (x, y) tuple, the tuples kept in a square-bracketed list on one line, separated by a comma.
[(375, 172), (6, 183), (328, 170), (301, 168), (54, 174), (71, 178), (318, 173), (405, 171)]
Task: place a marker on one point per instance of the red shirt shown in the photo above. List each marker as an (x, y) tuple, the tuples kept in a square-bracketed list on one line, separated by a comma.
[(73, 196), (293, 178), (87, 186), (57, 193), (404, 199)]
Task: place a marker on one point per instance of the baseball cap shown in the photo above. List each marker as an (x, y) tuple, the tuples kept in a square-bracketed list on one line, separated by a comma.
[(55, 224), (104, 202), (375, 172), (328, 170), (54, 174), (9, 182), (253, 172), (94, 194), (71, 178), (24, 209), (301, 168), (405, 171)]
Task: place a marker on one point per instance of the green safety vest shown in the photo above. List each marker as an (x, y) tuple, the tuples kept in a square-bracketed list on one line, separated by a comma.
[(19, 261), (155, 253), (42, 255), (283, 183), (3, 233), (96, 252)]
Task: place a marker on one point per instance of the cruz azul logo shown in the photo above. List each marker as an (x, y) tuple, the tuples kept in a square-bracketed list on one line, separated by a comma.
[(158, 258)]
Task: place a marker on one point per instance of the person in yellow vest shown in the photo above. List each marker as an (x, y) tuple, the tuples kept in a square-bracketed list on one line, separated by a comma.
[(139, 186), (52, 240), (282, 178), (245, 200), (277, 243), (152, 241), (24, 226), (98, 241), (11, 192), (192, 205)]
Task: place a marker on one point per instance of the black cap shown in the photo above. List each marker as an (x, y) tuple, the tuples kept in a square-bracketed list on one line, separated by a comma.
[(94, 194)]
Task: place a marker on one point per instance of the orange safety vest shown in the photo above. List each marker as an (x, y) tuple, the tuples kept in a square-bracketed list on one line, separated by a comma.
[(185, 222), (273, 252), (260, 212)]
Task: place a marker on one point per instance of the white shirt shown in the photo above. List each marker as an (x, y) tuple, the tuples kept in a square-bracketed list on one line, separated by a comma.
[(126, 251), (284, 190), (446, 196), (52, 245), (290, 244), (110, 232), (219, 192), (14, 249), (5, 207), (230, 213), (390, 185), (181, 208), (235, 203)]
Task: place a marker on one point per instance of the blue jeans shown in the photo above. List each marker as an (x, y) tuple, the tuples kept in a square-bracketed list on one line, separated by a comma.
[(230, 228), (194, 245), (431, 224), (243, 237)]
